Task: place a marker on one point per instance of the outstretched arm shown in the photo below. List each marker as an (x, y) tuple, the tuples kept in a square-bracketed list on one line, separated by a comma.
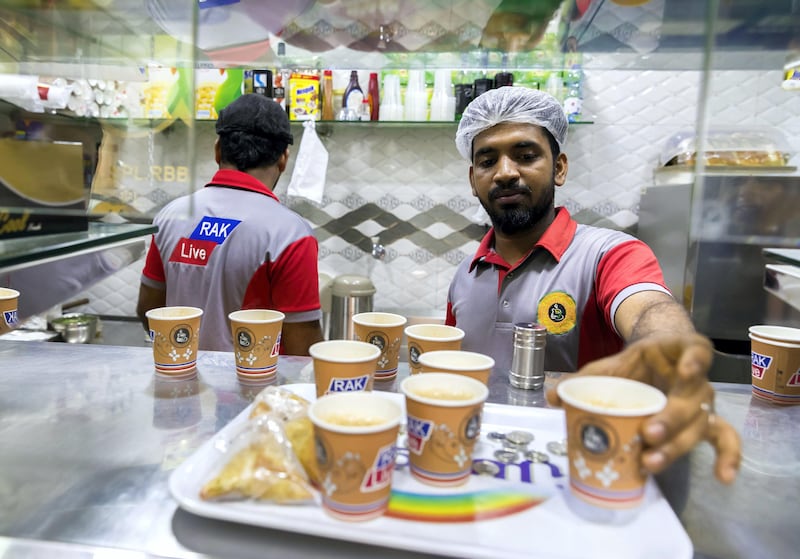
[(664, 350)]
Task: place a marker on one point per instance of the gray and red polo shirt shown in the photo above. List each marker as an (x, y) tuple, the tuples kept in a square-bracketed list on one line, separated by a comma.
[(572, 282), (232, 245)]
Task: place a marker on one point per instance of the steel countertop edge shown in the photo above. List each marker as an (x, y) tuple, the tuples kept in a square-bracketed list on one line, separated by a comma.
[(90, 436)]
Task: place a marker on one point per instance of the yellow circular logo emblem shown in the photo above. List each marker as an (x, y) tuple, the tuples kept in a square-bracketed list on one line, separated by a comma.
[(557, 312)]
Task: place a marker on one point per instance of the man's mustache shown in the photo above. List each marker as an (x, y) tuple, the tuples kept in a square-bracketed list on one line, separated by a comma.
[(500, 191)]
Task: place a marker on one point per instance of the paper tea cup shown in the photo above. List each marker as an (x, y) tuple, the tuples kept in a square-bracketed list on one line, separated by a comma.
[(343, 366), (384, 330), (604, 417), (467, 363), (174, 332), (9, 299), (778, 333), (423, 338), (355, 435), (256, 342), (443, 423), (775, 370)]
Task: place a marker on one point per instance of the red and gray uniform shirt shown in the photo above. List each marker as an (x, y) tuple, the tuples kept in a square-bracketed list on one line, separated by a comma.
[(572, 282), (230, 246)]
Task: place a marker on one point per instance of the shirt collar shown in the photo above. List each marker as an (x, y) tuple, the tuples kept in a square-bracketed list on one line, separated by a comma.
[(231, 178), (555, 239)]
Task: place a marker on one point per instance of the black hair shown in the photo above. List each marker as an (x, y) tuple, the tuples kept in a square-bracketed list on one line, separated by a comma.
[(247, 151)]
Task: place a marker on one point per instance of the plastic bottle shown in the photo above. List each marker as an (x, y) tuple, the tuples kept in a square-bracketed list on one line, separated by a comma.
[(503, 79), (364, 110), (353, 94), (327, 95), (374, 96)]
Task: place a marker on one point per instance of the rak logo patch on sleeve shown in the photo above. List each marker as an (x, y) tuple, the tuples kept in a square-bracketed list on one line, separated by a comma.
[(209, 233)]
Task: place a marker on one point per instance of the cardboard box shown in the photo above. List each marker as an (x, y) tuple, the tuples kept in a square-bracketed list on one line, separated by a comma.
[(41, 188)]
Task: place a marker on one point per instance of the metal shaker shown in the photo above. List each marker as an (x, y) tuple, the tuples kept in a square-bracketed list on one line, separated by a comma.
[(527, 363)]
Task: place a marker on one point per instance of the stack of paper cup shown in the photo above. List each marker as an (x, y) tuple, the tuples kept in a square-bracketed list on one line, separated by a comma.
[(775, 363)]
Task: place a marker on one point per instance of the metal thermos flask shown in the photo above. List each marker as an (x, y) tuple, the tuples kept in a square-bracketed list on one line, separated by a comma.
[(350, 295), (527, 363)]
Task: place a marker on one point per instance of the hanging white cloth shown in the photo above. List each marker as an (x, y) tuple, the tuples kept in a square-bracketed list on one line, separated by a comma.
[(310, 167)]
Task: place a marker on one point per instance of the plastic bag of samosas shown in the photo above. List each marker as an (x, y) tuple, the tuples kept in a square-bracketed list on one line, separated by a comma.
[(272, 457)]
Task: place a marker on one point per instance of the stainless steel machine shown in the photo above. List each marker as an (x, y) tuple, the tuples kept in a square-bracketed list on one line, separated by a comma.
[(709, 233)]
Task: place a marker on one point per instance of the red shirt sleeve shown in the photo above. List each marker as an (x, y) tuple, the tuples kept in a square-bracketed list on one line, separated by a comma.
[(292, 280), (153, 266), (625, 265)]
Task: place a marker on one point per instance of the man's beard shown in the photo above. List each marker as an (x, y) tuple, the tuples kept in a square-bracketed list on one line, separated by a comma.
[(519, 218)]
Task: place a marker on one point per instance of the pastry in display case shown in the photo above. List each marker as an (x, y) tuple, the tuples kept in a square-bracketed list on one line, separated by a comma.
[(728, 147)]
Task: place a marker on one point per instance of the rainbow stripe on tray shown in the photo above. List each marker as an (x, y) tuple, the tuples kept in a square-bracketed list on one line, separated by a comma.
[(461, 507)]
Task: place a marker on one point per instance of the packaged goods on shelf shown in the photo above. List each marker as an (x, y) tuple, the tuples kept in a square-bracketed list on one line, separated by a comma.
[(304, 96)]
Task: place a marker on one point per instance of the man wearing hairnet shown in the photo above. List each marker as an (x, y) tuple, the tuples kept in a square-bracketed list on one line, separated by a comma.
[(600, 293), (232, 245)]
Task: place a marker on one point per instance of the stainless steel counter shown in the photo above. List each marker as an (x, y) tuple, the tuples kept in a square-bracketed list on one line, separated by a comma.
[(89, 437)]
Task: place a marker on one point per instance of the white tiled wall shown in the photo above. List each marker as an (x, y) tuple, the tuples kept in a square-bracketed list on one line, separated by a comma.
[(406, 171)]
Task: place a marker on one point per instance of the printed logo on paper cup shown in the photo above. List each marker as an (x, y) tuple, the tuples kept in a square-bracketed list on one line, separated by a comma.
[(377, 339), (472, 427), (418, 431), (759, 364), (181, 335), (244, 338), (380, 474), (276, 348), (795, 379), (598, 438), (347, 384), (594, 439), (10, 318), (323, 452), (444, 443), (414, 351)]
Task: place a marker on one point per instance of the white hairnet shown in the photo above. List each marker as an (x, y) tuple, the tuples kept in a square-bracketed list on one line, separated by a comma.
[(510, 104)]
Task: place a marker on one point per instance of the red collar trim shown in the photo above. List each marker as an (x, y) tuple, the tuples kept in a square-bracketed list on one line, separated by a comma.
[(231, 178), (559, 235), (555, 240)]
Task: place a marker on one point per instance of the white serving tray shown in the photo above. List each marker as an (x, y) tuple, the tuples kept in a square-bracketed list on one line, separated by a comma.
[(519, 517)]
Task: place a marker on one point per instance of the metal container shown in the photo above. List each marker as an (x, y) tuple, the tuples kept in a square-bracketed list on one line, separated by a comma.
[(350, 295), (76, 328), (527, 363)]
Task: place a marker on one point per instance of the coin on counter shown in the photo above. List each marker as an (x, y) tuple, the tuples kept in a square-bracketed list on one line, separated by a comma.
[(519, 438), (537, 457), (485, 468), (507, 456), (497, 436), (559, 448)]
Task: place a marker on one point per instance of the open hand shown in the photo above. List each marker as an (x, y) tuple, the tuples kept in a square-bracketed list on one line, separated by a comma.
[(678, 365)]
